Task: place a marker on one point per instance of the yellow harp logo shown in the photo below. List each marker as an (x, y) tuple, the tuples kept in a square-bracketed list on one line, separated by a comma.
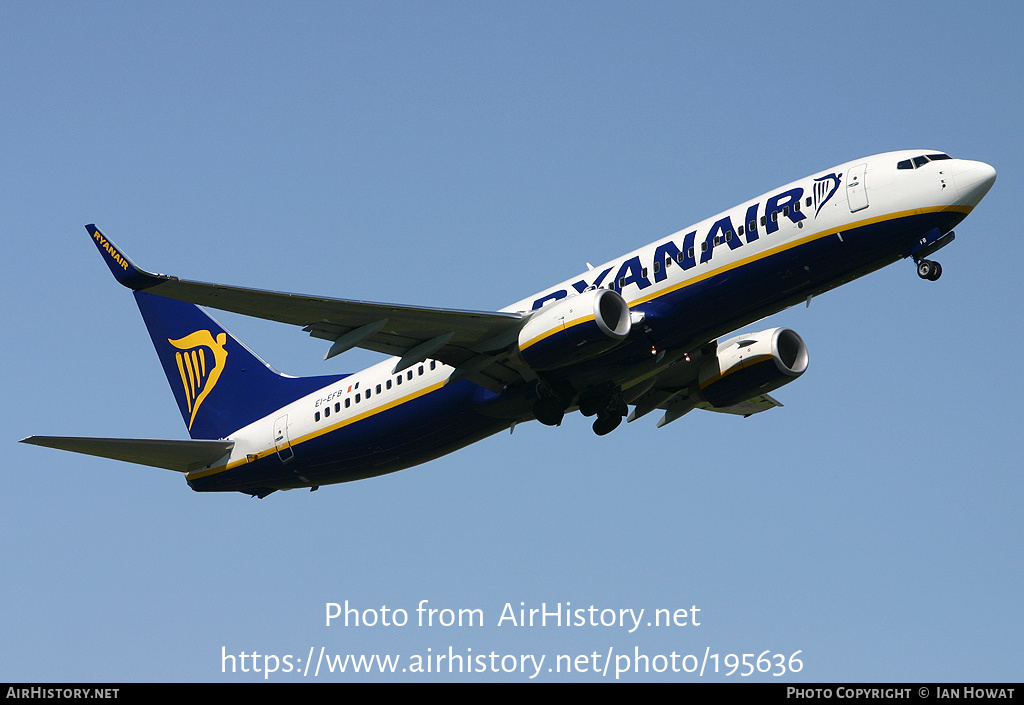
[(199, 375)]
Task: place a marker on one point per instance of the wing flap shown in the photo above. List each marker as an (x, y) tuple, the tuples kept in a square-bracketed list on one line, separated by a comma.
[(754, 405), (177, 455), (671, 393)]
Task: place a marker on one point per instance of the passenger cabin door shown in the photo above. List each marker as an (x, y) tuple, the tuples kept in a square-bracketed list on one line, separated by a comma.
[(281, 442), (856, 192)]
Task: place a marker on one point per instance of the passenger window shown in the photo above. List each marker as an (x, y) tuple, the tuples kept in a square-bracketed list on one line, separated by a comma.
[(398, 379), (751, 226), (408, 375), (378, 389), (389, 384), (808, 201), (657, 267), (433, 364), (420, 371), (739, 230), (680, 257), (327, 412), (316, 416), (368, 393), (337, 406), (764, 220), (357, 398), (348, 402)]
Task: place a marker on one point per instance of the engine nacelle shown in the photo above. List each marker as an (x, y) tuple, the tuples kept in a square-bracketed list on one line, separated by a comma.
[(749, 365), (574, 329)]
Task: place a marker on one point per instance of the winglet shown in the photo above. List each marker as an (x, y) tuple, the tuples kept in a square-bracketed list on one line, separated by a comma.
[(123, 269)]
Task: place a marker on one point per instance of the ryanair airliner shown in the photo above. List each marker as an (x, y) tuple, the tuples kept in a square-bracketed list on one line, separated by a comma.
[(645, 330)]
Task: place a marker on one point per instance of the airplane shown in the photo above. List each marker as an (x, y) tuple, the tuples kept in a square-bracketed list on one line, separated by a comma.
[(643, 331)]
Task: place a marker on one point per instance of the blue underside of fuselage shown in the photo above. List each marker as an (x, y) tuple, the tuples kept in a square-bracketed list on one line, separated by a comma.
[(405, 435), (450, 417)]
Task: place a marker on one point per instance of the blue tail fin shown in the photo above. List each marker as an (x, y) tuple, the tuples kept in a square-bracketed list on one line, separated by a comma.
[(220, 385)]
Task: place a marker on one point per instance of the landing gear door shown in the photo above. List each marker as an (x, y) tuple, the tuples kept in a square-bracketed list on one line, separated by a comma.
[(281, 442), (856, 192)]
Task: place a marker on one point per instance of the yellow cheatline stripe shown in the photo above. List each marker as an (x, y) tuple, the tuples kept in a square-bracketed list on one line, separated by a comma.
[(707, 275), (565, 326), (746, 363), (796, 243), (320, 432)]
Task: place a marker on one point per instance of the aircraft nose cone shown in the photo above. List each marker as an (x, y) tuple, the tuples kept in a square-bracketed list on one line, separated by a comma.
[(973, 180)]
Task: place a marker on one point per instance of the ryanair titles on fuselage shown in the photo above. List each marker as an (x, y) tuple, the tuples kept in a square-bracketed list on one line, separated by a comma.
[(109, 248), (759, 219)]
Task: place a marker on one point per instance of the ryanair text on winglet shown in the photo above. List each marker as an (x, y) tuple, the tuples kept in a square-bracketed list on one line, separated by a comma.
[(106, 245)]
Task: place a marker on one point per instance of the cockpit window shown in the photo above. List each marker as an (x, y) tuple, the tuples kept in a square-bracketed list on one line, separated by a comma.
[(921, 161)]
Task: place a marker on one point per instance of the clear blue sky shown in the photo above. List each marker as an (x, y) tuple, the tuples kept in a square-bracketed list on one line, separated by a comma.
[(467, 155)]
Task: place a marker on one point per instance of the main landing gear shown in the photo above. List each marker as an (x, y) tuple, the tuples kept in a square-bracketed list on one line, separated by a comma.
[(551, 404), (607, 405), (549, 411), (927, 269), (607, 422)]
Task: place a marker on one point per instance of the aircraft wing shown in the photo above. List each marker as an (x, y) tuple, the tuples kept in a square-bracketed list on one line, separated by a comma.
[(670, 392), (470, 341), (181, 456)]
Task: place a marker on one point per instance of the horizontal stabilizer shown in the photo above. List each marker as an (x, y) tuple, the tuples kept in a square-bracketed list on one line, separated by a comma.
[(182, 456)]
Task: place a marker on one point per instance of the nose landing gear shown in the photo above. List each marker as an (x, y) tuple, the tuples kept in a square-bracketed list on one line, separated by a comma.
[(927, 269), (930, 243)]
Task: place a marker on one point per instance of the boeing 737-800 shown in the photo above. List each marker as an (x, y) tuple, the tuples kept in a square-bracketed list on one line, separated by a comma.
[(642, 330)]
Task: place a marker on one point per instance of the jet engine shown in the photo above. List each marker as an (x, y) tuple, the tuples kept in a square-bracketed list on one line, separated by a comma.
[(573, 329), (749, 365)]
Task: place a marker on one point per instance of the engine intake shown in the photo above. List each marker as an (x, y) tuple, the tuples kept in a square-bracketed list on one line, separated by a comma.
[(749, 365), (574, 329)]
